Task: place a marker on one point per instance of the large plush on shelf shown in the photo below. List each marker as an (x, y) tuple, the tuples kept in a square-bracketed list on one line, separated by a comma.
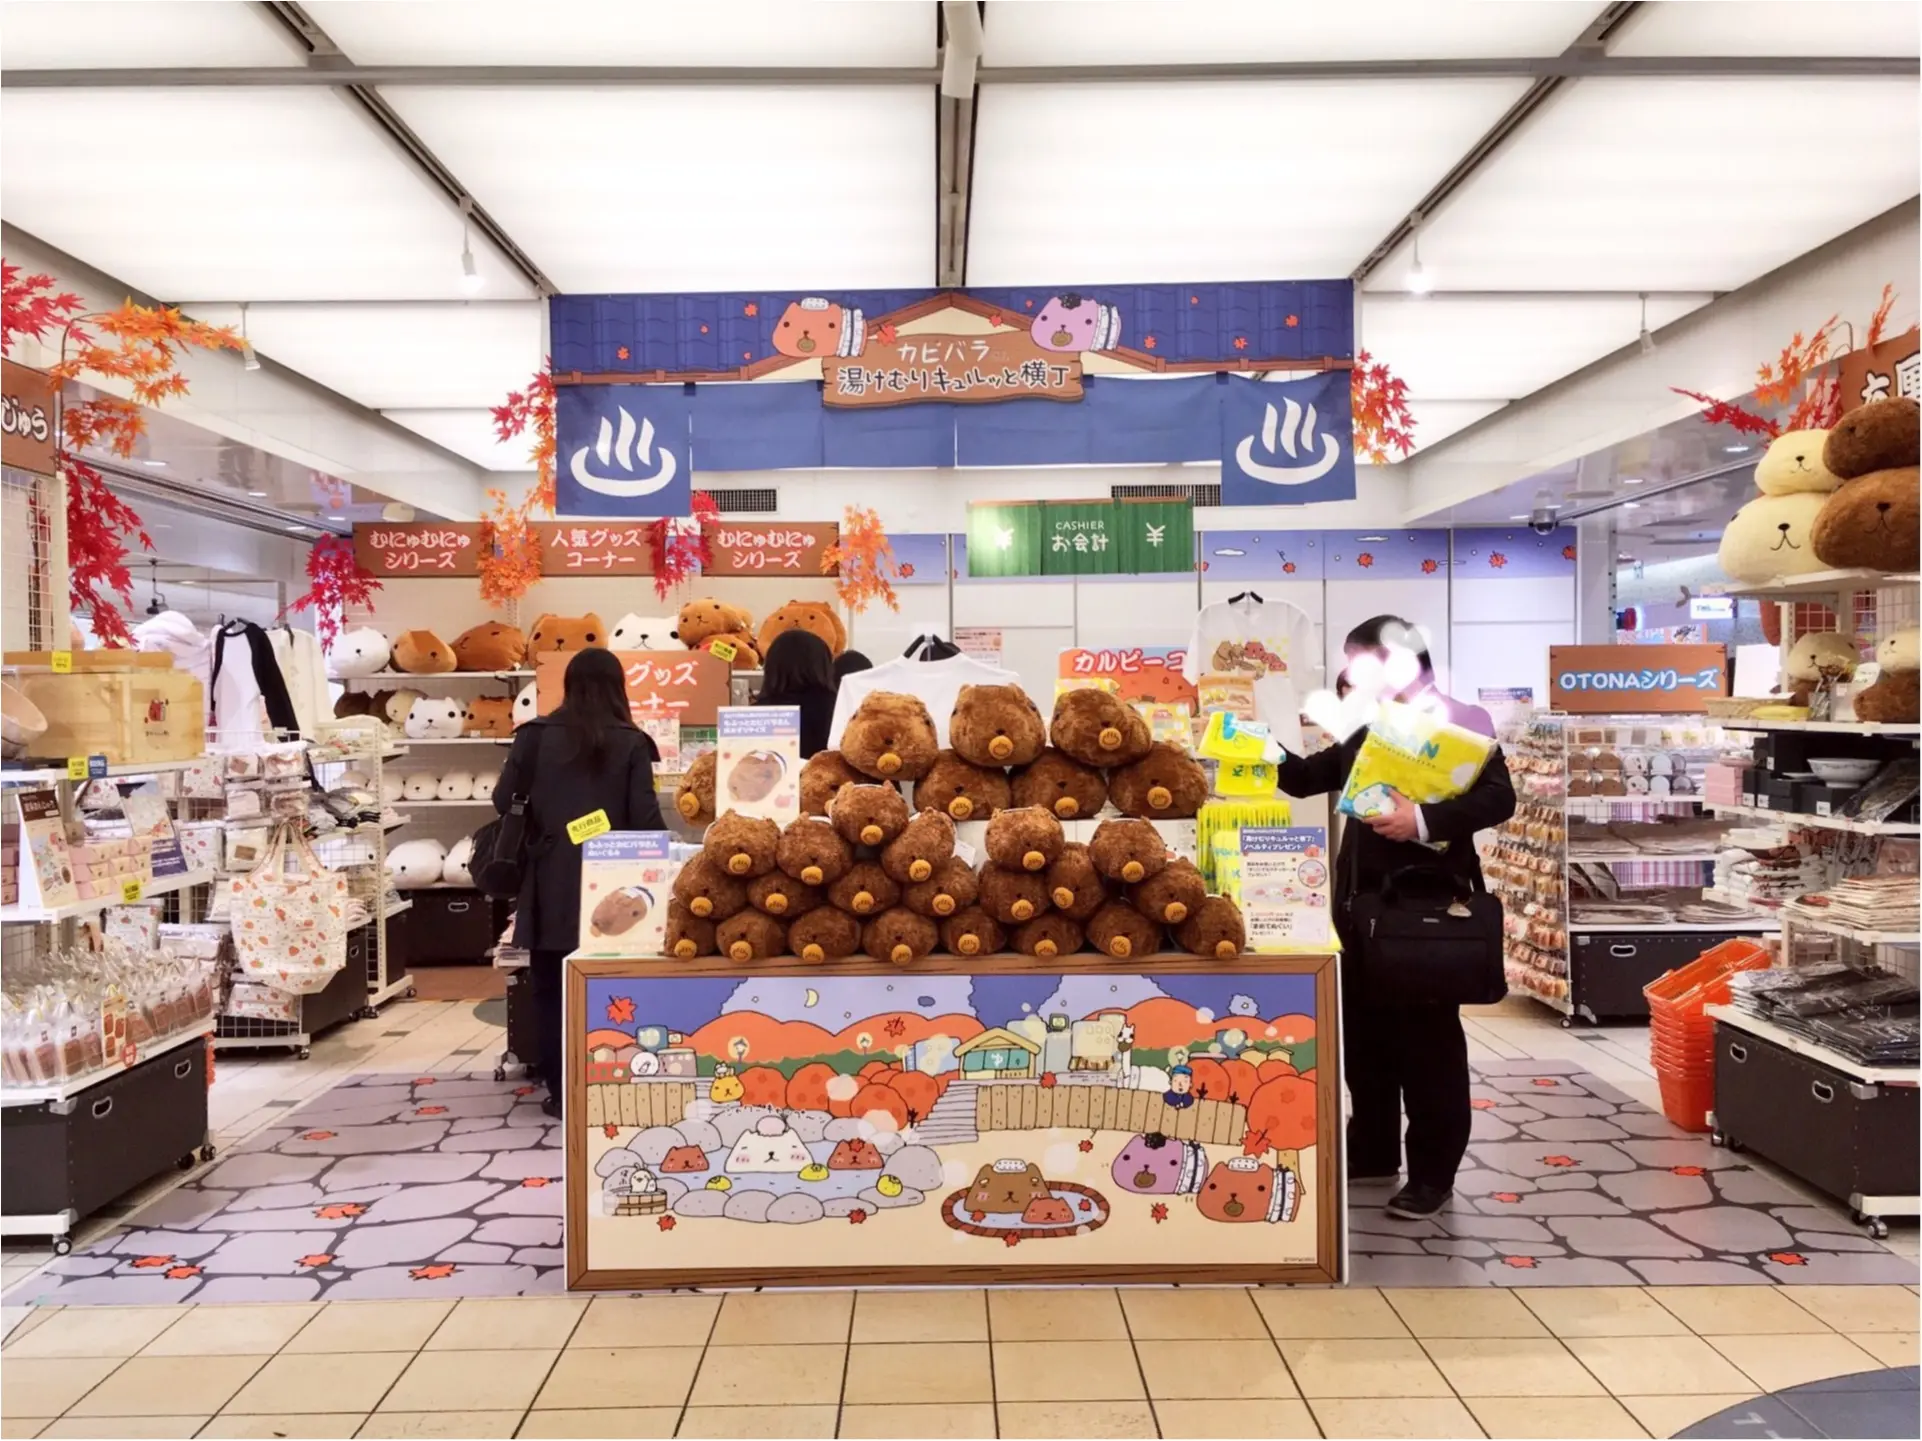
[(457, 870), (973, 932), (421, 652), (1818, 652), (823, 775), (1878, 435), (824, 934), (1895, 698), (812, 852), (705, 621), (1793, 462), (490, 715), (491, 645), (526, 705), (455, 786), (1024, 840), (1769, 537), (414, 864), (951, 888), (891, 737), (1172, 894), (695, 798), (1047, 936), (963, 790), (741, 845), (1164, 785), (812, 616), (1074, 885), (708, 891), (484, 785), (1129, 851), (864, 890), (353, 703), (359, 652), (642, 632), (1874, 522), (1215, 929), (1121, 931), (898, 935), (781, 895), (419, 786), (868, 815), (439, 717), (1097, 729), (1012, 897), (563, 633), (688, 935), (1061, 784), (996, 725), (750, 936), (925, 842)]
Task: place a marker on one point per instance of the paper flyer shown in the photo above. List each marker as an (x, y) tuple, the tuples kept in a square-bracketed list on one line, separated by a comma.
[(1287, 889), (625, 877), (665, 729), (46, 865), (757, 767), (147, 814)]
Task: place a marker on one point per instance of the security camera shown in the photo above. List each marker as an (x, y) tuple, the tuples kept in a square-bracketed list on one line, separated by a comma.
[(1542, 519)]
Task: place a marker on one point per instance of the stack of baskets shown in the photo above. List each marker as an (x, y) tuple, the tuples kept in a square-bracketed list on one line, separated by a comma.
[(1681, 1040)]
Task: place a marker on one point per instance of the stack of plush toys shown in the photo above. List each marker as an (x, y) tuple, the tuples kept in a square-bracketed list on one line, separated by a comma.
[(1839, 499), (863, 871)]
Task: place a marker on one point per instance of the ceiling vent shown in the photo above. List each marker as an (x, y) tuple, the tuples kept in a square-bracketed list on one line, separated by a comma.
[(746, 502), (1205, 494)]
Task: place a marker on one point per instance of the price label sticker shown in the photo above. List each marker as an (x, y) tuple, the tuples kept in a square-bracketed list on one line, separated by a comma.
[(76, 768), (63, 662), (130, 891), (585, 828), (723, 650)]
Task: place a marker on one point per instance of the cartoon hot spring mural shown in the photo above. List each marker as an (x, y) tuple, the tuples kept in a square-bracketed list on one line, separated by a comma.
[(1171, 1118)]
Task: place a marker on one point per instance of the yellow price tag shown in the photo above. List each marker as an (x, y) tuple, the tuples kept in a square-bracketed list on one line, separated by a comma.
[(76, 768), (594, 823), (130, 891), (723, 650), (63, 662)]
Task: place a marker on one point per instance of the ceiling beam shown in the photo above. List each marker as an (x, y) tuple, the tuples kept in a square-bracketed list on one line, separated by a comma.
[(1548, 67), (328, 64)]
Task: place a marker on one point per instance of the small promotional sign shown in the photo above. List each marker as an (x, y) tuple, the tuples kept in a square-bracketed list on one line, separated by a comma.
[(441, 548), (757, 766), (625, 878), (1287, 889), (1635, 679), (147, 814), (46, 865), (794, 548)]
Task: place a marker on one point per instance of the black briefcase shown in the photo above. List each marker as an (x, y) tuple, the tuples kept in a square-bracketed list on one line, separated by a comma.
[(1428, 938)]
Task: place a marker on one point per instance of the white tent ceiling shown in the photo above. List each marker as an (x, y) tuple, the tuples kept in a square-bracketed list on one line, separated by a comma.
[(781, 144)]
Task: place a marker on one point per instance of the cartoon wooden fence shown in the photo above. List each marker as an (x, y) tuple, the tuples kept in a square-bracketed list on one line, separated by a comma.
[(1019, 1106), (639, 1103)]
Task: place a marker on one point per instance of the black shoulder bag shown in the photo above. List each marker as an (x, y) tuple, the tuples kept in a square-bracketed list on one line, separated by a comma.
[(499, 861), (1428, 937)]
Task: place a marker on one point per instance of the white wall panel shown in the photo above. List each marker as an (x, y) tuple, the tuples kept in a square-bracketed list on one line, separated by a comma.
[(1771, 27), (117, 34)]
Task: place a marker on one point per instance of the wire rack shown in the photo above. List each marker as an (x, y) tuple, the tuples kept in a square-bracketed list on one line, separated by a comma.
[(33, 560)]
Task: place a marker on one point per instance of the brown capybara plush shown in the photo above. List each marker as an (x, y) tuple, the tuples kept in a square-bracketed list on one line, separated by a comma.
[(704, 620), (1874, 521), (867, 814), (561, 633), (781, 895), (741, 845), (421, 652), (865, 890), (1171, 894), (751, 936), (1074, 885), (688, 935), (1164, 785), (1096, 729), (952, 888), (927, 842), (967, 792), (898, 935), (972, 932), (695, 798), (1121, 931), (1047, 937), (812, 616), (1024, 840), (824, 934), (491, 716), (996, 725), (812, 852), (1128, 851), (824, 775), (708, 891), (1013, 896), (891, 737), (491, 645), (1065, 786), (1214, 929)]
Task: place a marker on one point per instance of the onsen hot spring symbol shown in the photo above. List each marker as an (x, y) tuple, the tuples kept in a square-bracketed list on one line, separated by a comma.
[(633, 454), (1297, 437)]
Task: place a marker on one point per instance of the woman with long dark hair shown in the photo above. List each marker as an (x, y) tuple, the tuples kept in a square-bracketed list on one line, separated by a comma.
[(585, 759), (1398, 1056), (798, 670)]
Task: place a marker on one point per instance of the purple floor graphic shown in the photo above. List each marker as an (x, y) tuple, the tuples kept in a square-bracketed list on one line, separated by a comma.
[(1569, 1182), (447, 1186)]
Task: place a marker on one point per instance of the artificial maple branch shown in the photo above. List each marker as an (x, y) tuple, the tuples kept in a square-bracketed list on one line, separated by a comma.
[(1383, 420), (865, 560), (339, 581)]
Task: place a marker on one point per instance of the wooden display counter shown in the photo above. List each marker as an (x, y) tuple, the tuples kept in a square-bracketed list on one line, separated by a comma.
[(961, 1121)]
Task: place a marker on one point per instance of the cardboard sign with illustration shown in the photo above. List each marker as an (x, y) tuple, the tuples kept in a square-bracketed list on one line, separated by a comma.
[(625, 877), (758, 762), (46, 865), (1287, 889)]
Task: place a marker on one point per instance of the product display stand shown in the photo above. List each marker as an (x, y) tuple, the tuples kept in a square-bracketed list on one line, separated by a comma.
[(74, 1144), (1846, 1127)]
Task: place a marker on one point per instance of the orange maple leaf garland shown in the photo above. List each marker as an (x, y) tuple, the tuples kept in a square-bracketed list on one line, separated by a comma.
[(339, 581), (865, 561), (1383, 421)]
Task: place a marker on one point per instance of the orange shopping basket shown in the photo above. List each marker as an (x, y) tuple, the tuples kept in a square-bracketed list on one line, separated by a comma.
[(1681, 1040)]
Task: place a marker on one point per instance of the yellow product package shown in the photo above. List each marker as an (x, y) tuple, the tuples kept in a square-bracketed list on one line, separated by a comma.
[(1225, 858), (1245, 755), (1416, 752)]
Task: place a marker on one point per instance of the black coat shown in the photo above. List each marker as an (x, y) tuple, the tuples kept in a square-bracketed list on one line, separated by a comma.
[(817, 715), (566, 787)]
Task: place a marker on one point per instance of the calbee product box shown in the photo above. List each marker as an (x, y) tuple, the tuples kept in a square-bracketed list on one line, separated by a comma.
[(625, 877), (757, 762)]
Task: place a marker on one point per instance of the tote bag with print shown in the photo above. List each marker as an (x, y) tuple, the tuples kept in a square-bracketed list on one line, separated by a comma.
[(290, 924)]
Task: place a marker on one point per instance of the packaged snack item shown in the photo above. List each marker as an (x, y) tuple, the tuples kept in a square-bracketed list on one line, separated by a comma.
[(1245, 755), (1417, 753)]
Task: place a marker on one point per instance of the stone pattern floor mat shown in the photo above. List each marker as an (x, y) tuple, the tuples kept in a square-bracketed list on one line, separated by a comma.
[(1569, 1182)]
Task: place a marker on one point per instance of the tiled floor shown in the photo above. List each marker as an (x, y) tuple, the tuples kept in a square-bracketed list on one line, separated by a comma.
[(1543, 1361)]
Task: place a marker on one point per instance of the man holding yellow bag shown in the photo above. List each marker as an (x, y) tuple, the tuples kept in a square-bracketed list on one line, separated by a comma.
[(1404, 1047)]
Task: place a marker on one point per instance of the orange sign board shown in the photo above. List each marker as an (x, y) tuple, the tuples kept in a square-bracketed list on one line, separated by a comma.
[(684, 685), (1135, 673), (596, 548), (438, 548), (794, 548), (1882, 372), (26, 418), (1635, 679), (910, 369)]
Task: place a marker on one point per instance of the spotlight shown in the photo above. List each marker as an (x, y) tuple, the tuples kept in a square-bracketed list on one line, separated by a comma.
[(470, 276)]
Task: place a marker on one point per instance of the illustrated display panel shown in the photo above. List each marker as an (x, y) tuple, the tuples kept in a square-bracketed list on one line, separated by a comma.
[(804, 1126)]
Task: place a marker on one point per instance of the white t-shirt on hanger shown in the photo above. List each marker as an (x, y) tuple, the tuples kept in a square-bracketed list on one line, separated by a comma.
[(1270, 639), (937, 682)]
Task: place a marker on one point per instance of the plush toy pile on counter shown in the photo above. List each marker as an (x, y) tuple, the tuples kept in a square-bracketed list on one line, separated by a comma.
[(863, 871)]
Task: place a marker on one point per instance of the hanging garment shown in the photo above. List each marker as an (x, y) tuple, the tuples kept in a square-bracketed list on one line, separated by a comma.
[(938, 683), (246, 682), (1268, 639), (172, 633), (297, 653)]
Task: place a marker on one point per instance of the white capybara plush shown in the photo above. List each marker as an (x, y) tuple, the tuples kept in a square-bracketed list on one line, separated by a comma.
[(1769, 537), (359, 652), (454, 870), (643, 632), (419, 786), (525, 706), (436, 717), (484, 787), (1793, 463), (455, 786), (414, 864)]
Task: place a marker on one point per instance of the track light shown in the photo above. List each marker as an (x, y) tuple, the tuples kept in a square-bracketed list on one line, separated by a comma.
[(1420, 281), (1647, 340), (248, 360), (470, 276)]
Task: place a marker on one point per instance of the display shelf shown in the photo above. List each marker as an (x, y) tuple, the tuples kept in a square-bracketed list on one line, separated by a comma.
[(1892, 729), (388, 677), (413, 741), (387, 913), (488, 803), (1826, 823), (1729, 1015), (47, 775), (158, 886), (1754, 925), (66, 1090), (1823, 582), (1610, 858)]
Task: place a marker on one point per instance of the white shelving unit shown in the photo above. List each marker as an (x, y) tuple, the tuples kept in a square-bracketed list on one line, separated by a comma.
[(159, 886), (1822, 823), (76, 1085)]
